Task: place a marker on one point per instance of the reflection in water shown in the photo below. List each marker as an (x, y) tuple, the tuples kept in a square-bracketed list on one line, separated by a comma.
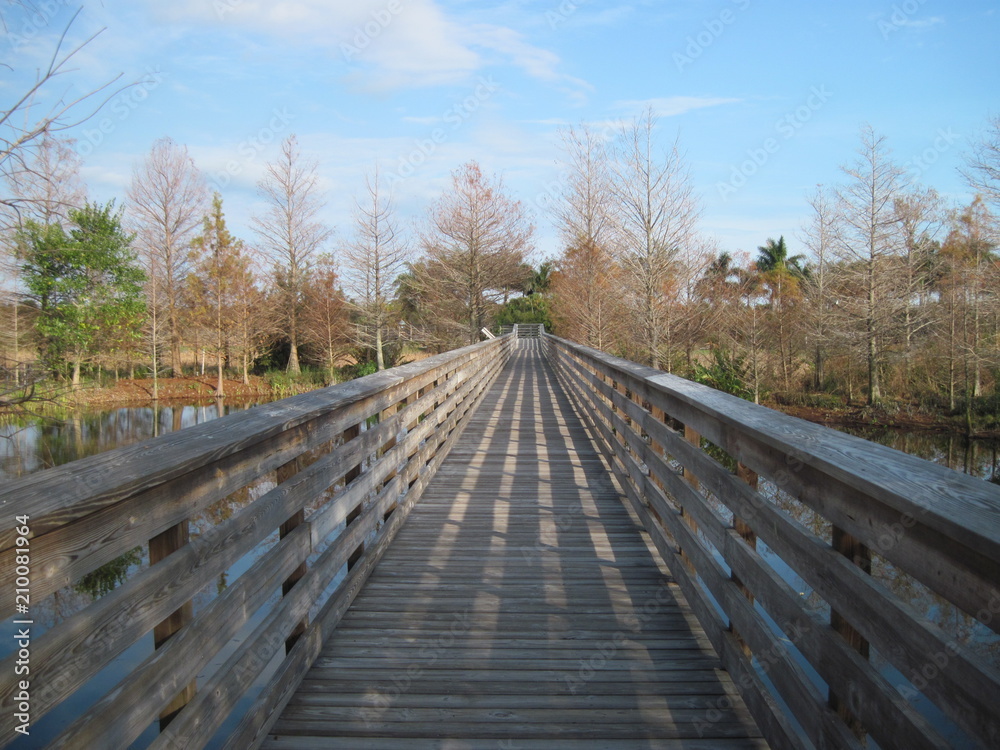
[(27, 446), (109, 576), (976, 456)]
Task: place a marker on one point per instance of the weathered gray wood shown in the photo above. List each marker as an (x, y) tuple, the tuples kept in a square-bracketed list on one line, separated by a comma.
[(160, 546), (118, 718), (86, 513), (473, 743), (198, 723), (275, 695), (65, 656), (110, 477), (533, 544), (766, 713), (909, 728), (951, 561), (937, 524)]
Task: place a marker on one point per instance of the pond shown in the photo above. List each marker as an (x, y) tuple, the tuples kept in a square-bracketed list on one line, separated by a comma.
[(30, 445)]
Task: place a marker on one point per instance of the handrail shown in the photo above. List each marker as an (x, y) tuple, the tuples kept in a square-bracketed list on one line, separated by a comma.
[(349, 462), (689, 459), (528, 330)]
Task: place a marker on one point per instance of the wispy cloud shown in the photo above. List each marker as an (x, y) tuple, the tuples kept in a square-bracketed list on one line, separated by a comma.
[(384, 45), (674, 106), (920, 24)]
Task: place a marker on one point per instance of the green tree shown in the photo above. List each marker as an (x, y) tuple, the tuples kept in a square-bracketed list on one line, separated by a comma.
[(87, 285)]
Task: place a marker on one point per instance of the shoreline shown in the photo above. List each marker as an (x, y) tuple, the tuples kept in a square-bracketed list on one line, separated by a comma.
[(139, 392), (202, 389), (865, 417)]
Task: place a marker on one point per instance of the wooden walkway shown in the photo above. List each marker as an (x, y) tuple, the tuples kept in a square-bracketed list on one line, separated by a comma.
[(519, 607)]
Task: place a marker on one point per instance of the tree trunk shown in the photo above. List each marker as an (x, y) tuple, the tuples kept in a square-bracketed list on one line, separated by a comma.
[(379, 356), (175, 343), (219, 392), (17, 353), (874, 390), (293, 353)]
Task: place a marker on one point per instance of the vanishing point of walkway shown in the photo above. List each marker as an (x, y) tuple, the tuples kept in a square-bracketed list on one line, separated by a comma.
[(520, 606)]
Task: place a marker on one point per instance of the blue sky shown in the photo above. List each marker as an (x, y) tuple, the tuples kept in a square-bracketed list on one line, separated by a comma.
[(766, 98)]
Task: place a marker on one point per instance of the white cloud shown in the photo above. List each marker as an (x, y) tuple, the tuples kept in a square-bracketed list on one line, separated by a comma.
[(385, 44), (921, 23), (674, 106)]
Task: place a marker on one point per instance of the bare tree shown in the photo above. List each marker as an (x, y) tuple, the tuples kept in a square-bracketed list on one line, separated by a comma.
[(325, 323), (476, 246), (586, 284), (49, 186), (967, 252), (290, 232), (373, 259), (982, 170), (253, 318), (166, 202), (657, 213), (869, 241), (919, 214), (25, 125), (818, 237)]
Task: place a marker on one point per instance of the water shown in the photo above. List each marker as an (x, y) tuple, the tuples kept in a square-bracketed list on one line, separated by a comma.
[(30, 445), (979, 457)]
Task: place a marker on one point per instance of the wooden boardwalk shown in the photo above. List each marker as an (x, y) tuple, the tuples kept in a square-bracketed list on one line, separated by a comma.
[(519, 607)]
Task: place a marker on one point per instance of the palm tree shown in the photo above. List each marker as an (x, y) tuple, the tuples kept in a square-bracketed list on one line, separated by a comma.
[(773, 257), (781, 274)]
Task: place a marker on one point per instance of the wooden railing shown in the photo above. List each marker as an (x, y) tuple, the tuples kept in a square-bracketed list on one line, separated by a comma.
[(348, 462), (529, 330), (695, 464)]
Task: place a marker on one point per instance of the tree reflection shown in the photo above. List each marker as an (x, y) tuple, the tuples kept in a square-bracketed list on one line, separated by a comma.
[(109, 576)]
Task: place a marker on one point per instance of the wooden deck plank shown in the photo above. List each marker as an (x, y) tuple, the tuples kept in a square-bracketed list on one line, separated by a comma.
[(520, 604)]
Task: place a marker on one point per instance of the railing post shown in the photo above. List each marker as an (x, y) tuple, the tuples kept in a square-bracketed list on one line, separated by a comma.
[(282, 474), (744, 529), (349, 434), (693, 437), (160, 546), (860, 555)]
